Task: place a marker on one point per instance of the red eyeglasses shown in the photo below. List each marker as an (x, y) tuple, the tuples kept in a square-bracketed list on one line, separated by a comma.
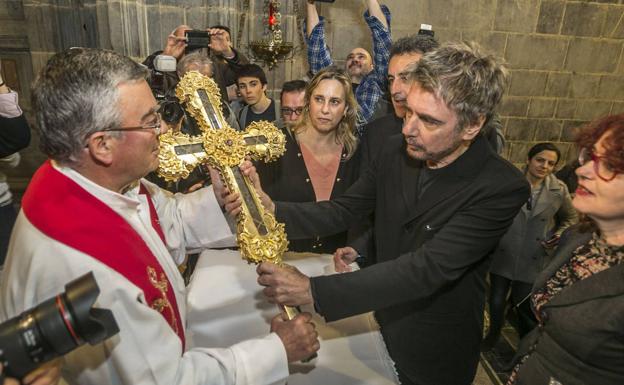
[(602, 167)]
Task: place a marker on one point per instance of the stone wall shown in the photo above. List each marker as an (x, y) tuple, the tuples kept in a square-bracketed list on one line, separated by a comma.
[(566, 57)]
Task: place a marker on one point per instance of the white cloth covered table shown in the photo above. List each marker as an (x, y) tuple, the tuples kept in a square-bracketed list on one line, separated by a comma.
[(226, 305)]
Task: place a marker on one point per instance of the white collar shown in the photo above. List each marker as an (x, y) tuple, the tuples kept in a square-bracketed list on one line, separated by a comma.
[(119, 202)]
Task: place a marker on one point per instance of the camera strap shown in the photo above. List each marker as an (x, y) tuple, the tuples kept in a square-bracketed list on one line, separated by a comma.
[(61, 209)]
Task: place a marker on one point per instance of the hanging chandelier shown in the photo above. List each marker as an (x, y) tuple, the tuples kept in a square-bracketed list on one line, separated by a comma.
[(272, 47)]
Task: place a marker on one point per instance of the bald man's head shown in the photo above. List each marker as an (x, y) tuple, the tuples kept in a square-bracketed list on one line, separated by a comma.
[(180, 29), (359, 63)]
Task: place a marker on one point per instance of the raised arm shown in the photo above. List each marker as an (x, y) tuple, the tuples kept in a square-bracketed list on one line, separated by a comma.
[(373, 85), (319, 55), (374, 9), (312, 17), (378, 20)]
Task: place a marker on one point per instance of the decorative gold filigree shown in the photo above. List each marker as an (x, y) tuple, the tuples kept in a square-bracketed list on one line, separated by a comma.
[(259, 241), (272, 147), (187, 93), (172, 166), (270, 247), (225, 147), (162, 303)]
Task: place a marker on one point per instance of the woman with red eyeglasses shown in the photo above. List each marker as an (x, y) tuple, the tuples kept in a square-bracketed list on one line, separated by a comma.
[(579, 298)]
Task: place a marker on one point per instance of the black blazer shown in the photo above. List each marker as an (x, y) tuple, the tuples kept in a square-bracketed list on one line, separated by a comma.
[(581, 341), (375, 136), (287, 179), (428, 286)]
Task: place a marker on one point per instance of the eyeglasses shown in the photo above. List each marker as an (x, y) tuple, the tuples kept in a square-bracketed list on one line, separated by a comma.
[(602, 167), (155, 125), (289, 111)]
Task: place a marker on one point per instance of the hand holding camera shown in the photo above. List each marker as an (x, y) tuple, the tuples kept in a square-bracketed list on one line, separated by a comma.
[(175, 46), (48, 374), (216, 39), (220, 42)]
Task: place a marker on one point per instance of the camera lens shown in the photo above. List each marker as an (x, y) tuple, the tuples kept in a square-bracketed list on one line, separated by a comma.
[(171, 111), (55, 327)]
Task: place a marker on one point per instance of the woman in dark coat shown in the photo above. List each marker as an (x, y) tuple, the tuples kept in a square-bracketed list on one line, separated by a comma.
[(321, 159), (522, 252), (579, 298)]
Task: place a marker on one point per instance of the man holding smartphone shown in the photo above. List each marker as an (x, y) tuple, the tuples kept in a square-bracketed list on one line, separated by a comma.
[(225, 57)]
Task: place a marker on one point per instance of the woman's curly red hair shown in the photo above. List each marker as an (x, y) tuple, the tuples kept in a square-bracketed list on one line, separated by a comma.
[(614, 150), (614, 146)]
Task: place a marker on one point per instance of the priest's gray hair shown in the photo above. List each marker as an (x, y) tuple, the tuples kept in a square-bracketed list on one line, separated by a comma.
[(470, 82), (76, 94)]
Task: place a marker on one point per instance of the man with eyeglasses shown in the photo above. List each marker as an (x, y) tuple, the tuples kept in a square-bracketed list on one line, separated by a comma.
[(292, 101), (88, 208)]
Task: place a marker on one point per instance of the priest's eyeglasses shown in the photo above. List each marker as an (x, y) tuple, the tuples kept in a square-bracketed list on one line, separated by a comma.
[(289, 111), (602, 167), (155, 124)]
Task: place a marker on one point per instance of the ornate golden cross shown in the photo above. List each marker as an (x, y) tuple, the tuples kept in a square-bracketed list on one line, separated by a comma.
[(260, 237)]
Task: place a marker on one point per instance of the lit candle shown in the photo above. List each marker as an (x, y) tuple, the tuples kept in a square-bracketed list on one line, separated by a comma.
[(271, 15)]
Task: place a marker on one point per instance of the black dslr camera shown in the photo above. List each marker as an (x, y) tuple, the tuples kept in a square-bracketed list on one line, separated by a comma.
[(55, 327)]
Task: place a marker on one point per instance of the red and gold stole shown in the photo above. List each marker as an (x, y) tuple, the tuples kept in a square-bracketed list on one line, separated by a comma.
[(64, 211)]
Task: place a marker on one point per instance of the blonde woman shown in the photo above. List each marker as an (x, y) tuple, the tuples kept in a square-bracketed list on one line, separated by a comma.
[(321, 159)]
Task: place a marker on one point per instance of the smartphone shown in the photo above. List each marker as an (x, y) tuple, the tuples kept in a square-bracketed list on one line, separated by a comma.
[(196, 39)]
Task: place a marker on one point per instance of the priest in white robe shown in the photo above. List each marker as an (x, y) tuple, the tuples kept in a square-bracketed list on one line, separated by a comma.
[(87, 209)]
